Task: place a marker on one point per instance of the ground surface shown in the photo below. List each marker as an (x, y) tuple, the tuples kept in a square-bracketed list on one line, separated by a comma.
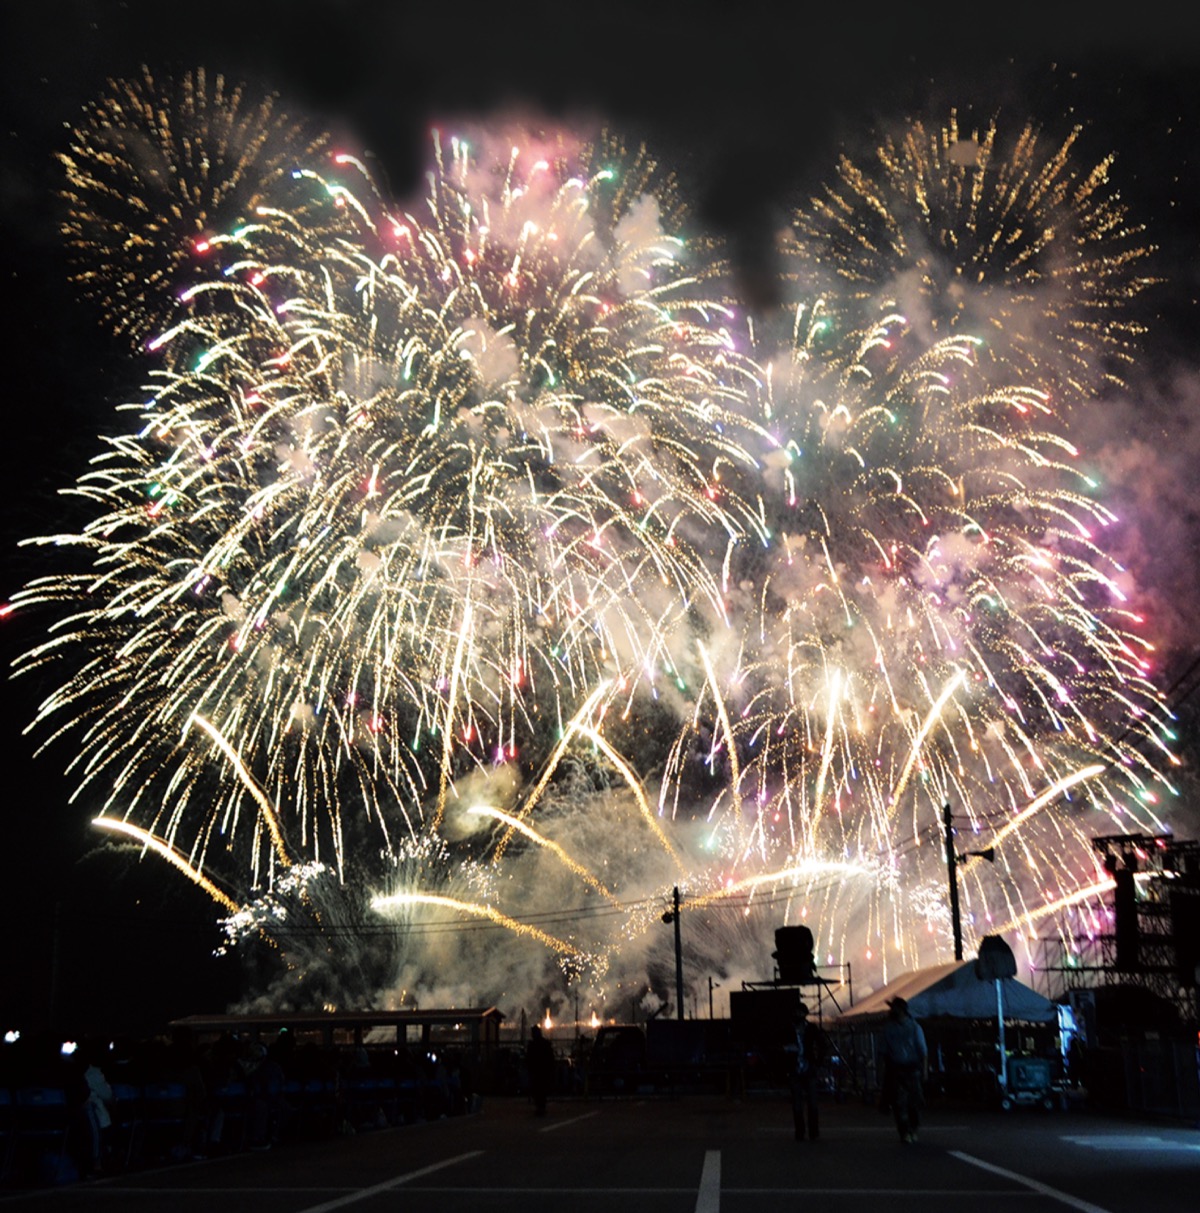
[(679, 1156)]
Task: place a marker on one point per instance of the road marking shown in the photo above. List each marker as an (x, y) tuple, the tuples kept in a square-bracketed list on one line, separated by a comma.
[(364, 1193), (492, 1191), (1067, 1199), (708, 1199), (559, 1124), (1129, 1141), (956, 1193), (843, 1130), (114, 1185)]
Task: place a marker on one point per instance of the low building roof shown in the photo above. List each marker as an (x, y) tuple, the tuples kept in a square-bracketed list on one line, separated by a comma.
[(336, 1019)]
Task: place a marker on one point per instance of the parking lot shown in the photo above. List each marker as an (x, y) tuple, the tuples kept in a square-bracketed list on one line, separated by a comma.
[(675, 1155)]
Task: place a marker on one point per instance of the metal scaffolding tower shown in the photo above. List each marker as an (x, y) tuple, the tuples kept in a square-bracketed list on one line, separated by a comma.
[(1151, 938)]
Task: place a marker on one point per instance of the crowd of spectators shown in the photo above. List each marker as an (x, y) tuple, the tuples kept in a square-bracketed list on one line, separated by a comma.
[(72, 1111)]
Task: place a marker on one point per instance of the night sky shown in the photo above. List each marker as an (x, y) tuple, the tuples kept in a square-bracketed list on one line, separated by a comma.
[(750, 107)]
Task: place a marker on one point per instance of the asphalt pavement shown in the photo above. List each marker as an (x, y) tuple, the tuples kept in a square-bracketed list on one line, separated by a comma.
[(686, 1155)]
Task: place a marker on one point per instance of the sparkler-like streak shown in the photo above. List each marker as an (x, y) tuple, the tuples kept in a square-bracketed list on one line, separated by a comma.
[(495, 487), (160, 846), (399, 900), (587, 708), (635, 785), (808, 871), (1047, 797), (553, 847), (735, 780), (448, 724), (1088, 893), (922, 733), (265, 806)]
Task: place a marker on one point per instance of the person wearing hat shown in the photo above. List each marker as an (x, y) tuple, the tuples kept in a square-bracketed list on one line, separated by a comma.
[(906, 1062), (805, 1056)]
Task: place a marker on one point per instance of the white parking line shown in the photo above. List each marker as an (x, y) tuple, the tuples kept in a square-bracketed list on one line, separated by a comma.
[(492, 1191), (846, 1130), (559, 1124), (708, 1199), (798, 1193), (1129, 1141), (113, 1184), (363, 1193), (956, 1194), (1067, 1199)]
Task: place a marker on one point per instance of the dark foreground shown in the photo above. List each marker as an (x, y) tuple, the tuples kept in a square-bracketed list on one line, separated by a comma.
[(678, 1156)]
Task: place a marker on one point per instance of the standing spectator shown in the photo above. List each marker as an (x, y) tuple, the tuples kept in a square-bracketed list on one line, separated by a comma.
[(906, 1059), (539, 1059), (805, 1053), (263, 1077), (219, 1068), (181, 1063), (96, 1108)]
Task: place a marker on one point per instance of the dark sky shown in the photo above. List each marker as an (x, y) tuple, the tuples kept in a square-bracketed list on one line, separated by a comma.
[(751, 105)]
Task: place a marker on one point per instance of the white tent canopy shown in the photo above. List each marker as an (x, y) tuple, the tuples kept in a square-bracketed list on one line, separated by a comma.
[(952, 991)]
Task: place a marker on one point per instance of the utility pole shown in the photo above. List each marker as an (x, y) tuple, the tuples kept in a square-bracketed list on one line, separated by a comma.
[(672, 915), (951, 865), (678, 960), (952, 862)]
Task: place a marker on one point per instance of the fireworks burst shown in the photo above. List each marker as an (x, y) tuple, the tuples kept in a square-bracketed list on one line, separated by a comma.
[(935, 622), (468, 556), (154, 170), (977, 234), (382, 513)]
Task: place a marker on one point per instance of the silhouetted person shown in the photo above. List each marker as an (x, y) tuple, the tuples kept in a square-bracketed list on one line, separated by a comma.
[(805, 1055), (539, 1059), (906, 1059), (97, 1105), (219, 1069), (263, 1076), (181, 1064)]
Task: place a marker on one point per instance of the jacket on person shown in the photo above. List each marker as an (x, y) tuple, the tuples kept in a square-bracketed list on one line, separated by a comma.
[(904, 1042)]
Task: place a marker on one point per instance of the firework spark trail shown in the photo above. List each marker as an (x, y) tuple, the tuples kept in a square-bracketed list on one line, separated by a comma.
[(587, 708), (448, 725), (542, 841), (723, 715), (268, 809), (922, 733), (1088, 893), (635, 784), (1047, 797), (418, 492), (161, 847), (790, 877), (399, 900)]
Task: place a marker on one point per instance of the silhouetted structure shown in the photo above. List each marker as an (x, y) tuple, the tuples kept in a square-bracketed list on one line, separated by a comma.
[(1153, 939)]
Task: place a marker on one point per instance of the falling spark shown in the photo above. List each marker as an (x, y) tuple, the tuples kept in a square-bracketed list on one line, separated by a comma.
[(399, 900)]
